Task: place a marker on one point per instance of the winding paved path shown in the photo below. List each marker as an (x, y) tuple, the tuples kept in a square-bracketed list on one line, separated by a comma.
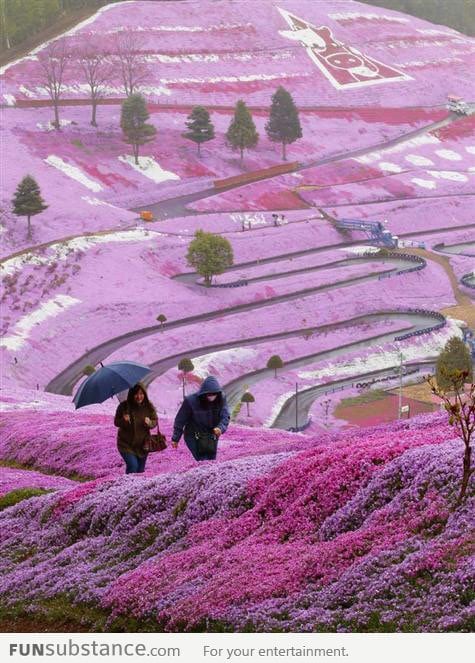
[(65, 381)]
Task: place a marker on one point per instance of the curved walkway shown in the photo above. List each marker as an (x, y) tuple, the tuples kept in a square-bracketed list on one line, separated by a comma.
[(64, 382), (287, 417), (159, 367)]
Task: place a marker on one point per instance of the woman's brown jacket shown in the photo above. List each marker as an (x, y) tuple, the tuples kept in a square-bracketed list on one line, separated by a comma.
[(131, 436)]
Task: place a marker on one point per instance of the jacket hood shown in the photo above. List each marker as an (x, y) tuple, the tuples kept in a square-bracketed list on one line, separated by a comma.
[(210, 386)]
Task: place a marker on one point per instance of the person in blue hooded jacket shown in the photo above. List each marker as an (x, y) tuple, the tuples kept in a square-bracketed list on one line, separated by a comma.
[(202, 417)]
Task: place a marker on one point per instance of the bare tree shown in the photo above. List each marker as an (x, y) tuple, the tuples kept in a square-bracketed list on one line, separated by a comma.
[(132, 66), (97, 70), (54, 60), (459, 403)]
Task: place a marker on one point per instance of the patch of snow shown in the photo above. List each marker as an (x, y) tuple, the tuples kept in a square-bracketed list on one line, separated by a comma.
[(448, 175), (390, 167), (183, 28), (62, 250), (276, 408), (344, 16), (250, 219), (431, 31), (449, 154), (418, 141), (150, 168), (221, 359), (417, 160), (10, 99), (23, 327), (49, 126), (97, 201), (73, 172), (26, 91), (425, 184), (360, 250), (249, 78)]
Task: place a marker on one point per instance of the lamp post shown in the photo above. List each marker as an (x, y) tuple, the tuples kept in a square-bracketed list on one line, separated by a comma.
[(296, 406), (401, 360)]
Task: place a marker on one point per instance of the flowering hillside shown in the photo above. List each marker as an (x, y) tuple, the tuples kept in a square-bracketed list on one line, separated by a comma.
[(356, 534), (352, 261)]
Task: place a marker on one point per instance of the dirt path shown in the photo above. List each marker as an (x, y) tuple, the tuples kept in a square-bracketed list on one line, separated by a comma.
[(465, 307)]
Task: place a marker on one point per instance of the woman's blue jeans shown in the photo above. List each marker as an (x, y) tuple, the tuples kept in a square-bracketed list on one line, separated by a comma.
[(133, 464)]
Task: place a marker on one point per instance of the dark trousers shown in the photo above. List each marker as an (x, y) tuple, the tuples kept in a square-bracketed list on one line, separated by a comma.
[(133, 464)]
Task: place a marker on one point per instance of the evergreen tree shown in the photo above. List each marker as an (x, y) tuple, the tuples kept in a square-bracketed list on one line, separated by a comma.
[(133, 122), (454, 357), (209, 254), (200, 127), (186, 366), (242, 133), (247, 398), (27, 200), (284, 124), (274, 363)]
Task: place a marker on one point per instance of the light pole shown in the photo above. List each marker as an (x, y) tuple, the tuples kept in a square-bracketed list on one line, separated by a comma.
[(401, 359), (296, 406)]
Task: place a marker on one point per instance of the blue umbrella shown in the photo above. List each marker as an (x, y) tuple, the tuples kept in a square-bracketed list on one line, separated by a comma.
[(109, 380)]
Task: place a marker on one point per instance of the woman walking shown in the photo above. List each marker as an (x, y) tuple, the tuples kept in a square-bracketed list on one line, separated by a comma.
[(134, 418), (203, 417)]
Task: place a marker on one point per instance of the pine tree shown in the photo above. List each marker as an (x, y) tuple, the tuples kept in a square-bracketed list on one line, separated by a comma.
[(455, 357), (27, 200), (209, 254), (242, 133), (284, 124), (133, 122), (200, 127)]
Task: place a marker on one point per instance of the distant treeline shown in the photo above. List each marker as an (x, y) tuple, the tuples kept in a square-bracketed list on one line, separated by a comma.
[(21, 20), (457, 14)]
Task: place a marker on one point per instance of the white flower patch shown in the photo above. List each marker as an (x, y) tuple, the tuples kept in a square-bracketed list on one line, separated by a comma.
[(23, 327), (10, 99), (449, 154), (470, 149), (150, 168), (413, 349), (448, 175), (219, 360), (73, 172), (418, 160), (425, 184), (390, 167)]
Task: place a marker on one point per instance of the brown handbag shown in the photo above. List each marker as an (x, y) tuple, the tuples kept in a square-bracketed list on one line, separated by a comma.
[(155, 442)]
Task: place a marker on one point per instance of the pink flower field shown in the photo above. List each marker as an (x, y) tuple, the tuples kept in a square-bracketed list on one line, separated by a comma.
[(342, 528)]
